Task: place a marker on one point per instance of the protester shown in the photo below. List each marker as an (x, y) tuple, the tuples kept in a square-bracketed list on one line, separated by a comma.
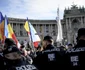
[(62, 48), (75, 57), (50, 57), (1, 57), (3, 46), (23, 50), (25, 43), (26, 54), (69, 46), (14, 60)]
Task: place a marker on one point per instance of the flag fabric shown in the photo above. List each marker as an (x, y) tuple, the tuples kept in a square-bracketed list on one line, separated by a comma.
[(6, 28), (35, 37), (26, 26), (33, 34), (1, 27), (9, 32), (59, 36)]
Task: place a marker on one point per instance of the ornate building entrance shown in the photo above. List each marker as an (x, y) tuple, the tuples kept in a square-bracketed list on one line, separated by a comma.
[(74, 18)]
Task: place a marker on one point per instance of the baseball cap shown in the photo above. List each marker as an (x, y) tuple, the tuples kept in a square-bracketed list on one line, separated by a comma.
[(9, 41), (11, 49)]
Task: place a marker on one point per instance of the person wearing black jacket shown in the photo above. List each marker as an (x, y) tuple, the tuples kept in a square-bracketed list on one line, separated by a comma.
[(75, 57), (50, 57), (1, 57), (14, 60)]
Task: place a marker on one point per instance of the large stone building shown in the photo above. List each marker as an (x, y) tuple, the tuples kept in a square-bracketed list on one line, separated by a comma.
[(74, 18), (43, 28)]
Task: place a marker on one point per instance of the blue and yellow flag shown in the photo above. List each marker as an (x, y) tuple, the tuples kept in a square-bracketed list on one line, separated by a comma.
[(9, 32), (32, 32), (1, 27)]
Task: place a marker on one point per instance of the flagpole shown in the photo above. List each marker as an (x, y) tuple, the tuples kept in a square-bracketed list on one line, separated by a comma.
[(31, 36), (4, 26), (4, 30)]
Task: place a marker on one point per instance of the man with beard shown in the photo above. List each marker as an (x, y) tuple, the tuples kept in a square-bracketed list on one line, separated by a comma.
[(14, 60), (50, 57)]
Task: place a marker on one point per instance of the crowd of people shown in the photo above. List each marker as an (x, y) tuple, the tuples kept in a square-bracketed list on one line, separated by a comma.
[(47, 57)]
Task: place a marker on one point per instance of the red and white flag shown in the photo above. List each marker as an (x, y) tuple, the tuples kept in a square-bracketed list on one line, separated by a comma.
[(33, 34)]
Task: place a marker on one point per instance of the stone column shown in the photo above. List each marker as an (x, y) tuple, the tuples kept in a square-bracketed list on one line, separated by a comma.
[(81, 22), (51, 29), (39, 32), (56, 28), (43, 29), (84, 21), (14, 28), (42, 32), (70, 32), (67, 28), (55, 37), (70, 26), (37, 28), (66, 23), (12, 25), (19, 29)]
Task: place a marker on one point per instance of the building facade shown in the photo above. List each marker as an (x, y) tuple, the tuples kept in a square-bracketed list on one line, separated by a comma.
[(43, 28), (74, 18)]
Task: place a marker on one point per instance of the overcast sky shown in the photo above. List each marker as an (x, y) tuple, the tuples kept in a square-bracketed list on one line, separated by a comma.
[(36, 9)]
